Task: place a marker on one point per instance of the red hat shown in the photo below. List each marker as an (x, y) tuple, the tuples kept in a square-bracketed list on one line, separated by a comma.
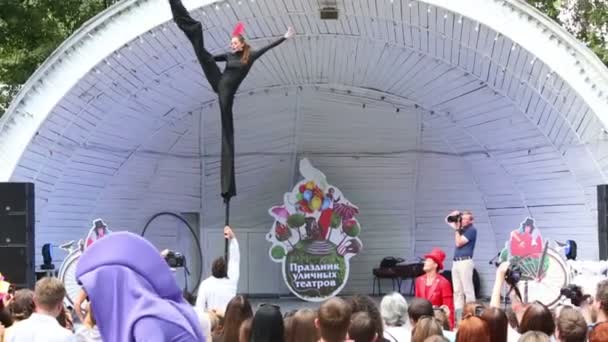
[(438, 256)]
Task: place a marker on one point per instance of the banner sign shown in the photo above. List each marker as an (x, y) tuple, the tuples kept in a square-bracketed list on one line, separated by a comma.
[(313, 236)]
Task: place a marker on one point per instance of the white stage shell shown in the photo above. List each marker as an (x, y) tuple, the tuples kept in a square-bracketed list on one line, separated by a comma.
[(412, 108)]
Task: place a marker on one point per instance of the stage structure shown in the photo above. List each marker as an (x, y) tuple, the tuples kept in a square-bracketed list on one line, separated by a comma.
[(413, 108)]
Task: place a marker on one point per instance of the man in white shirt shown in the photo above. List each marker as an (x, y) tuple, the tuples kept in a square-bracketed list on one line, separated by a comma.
[(42, 325), (216, 291)]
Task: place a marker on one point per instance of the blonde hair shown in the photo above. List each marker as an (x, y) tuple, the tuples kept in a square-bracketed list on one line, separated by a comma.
[(49, 293)]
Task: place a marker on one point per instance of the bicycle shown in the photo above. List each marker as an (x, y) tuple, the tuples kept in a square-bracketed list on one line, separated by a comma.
[(542, 275), (67, 270)]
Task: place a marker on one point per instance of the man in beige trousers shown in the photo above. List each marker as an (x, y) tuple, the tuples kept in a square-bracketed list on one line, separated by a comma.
[(465, 236)]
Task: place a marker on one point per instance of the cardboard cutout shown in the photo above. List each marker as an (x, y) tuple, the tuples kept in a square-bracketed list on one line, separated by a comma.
[(314, 235)]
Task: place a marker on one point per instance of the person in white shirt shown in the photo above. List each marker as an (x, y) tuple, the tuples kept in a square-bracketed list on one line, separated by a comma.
[(42, 325), (216, 291)]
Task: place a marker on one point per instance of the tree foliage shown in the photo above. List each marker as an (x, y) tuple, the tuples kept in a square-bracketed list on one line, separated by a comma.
[(31, 29)]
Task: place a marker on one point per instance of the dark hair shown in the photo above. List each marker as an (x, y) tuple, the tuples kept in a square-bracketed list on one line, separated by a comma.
[(537, 317), (218, 268), (419, 307), (473, 329), (5, 317), (237, 310), (497, 322), (267, 325), (334, 319), (426, 327), (22, 305), (361, 303), (361, 328), (246, 49), (64, 319), (571, 325), (302, 327)]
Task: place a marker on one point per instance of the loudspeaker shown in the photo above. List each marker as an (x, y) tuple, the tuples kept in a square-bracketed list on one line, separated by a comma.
[(17, 222), (602, 220)]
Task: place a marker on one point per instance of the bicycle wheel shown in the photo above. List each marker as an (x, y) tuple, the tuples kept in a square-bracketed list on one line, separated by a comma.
[(67, 275), (546, 288)]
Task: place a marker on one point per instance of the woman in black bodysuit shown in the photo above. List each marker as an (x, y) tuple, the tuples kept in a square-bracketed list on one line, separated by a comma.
[(238, 64)]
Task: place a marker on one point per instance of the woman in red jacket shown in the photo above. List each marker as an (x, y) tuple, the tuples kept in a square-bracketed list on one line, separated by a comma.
[(434, 287)]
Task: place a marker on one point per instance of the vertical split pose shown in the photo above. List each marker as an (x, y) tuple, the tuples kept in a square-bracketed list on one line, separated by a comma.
[(225, 84)]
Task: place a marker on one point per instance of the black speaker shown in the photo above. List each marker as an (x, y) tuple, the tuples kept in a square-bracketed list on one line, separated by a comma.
[(602, 220), (17, 222)]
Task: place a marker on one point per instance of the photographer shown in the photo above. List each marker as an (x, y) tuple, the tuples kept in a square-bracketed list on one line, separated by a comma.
[(216, 291), (465, 236)]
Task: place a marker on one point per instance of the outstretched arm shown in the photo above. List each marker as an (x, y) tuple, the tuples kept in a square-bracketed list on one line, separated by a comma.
[(258, 53)]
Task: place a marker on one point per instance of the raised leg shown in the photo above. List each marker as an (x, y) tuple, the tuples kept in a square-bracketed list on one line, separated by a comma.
[(194, 31)]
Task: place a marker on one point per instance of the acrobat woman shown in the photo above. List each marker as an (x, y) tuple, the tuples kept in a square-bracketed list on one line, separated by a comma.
[(225, 84)]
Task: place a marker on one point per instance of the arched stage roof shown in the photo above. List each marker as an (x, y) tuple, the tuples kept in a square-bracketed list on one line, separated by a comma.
[(412, 108)]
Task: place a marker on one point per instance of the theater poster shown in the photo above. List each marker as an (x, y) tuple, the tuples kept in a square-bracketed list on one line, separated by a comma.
[(314, 235)]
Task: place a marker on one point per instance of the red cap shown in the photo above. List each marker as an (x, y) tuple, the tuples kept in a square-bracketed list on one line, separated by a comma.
[(438, 256)]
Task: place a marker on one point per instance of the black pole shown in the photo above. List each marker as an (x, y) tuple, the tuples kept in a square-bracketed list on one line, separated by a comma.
[(226, 223)]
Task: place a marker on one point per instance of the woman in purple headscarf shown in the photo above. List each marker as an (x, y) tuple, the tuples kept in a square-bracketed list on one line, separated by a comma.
[(133, 292)]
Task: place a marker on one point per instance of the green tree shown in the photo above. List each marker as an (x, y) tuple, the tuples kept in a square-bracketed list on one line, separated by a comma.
[(29, 32), (587, 20)]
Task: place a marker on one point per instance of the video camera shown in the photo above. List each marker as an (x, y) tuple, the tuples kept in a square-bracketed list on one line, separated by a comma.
[(454, 218), (513, 275), (575, 294), (175, 259)]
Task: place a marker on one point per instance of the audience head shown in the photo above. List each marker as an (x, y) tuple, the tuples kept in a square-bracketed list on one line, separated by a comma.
[(601, 298), (362, 328), (267, 324), (65, 319), (22, 306), (425, 328), (472, 309), (218, 268), (393, 309), (302, 327), (442, 317), (333, 320), (473, 329), (360, 303), (245, 330), (48, 296), (437, 338), (237, 310), (537, 317), (571, 325), (497, 322), (5, 317), (534, 336), (419, 307), (599, 333)]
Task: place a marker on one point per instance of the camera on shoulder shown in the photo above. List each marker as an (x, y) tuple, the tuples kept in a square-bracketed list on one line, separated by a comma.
[(454, 218), (175, 259)]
